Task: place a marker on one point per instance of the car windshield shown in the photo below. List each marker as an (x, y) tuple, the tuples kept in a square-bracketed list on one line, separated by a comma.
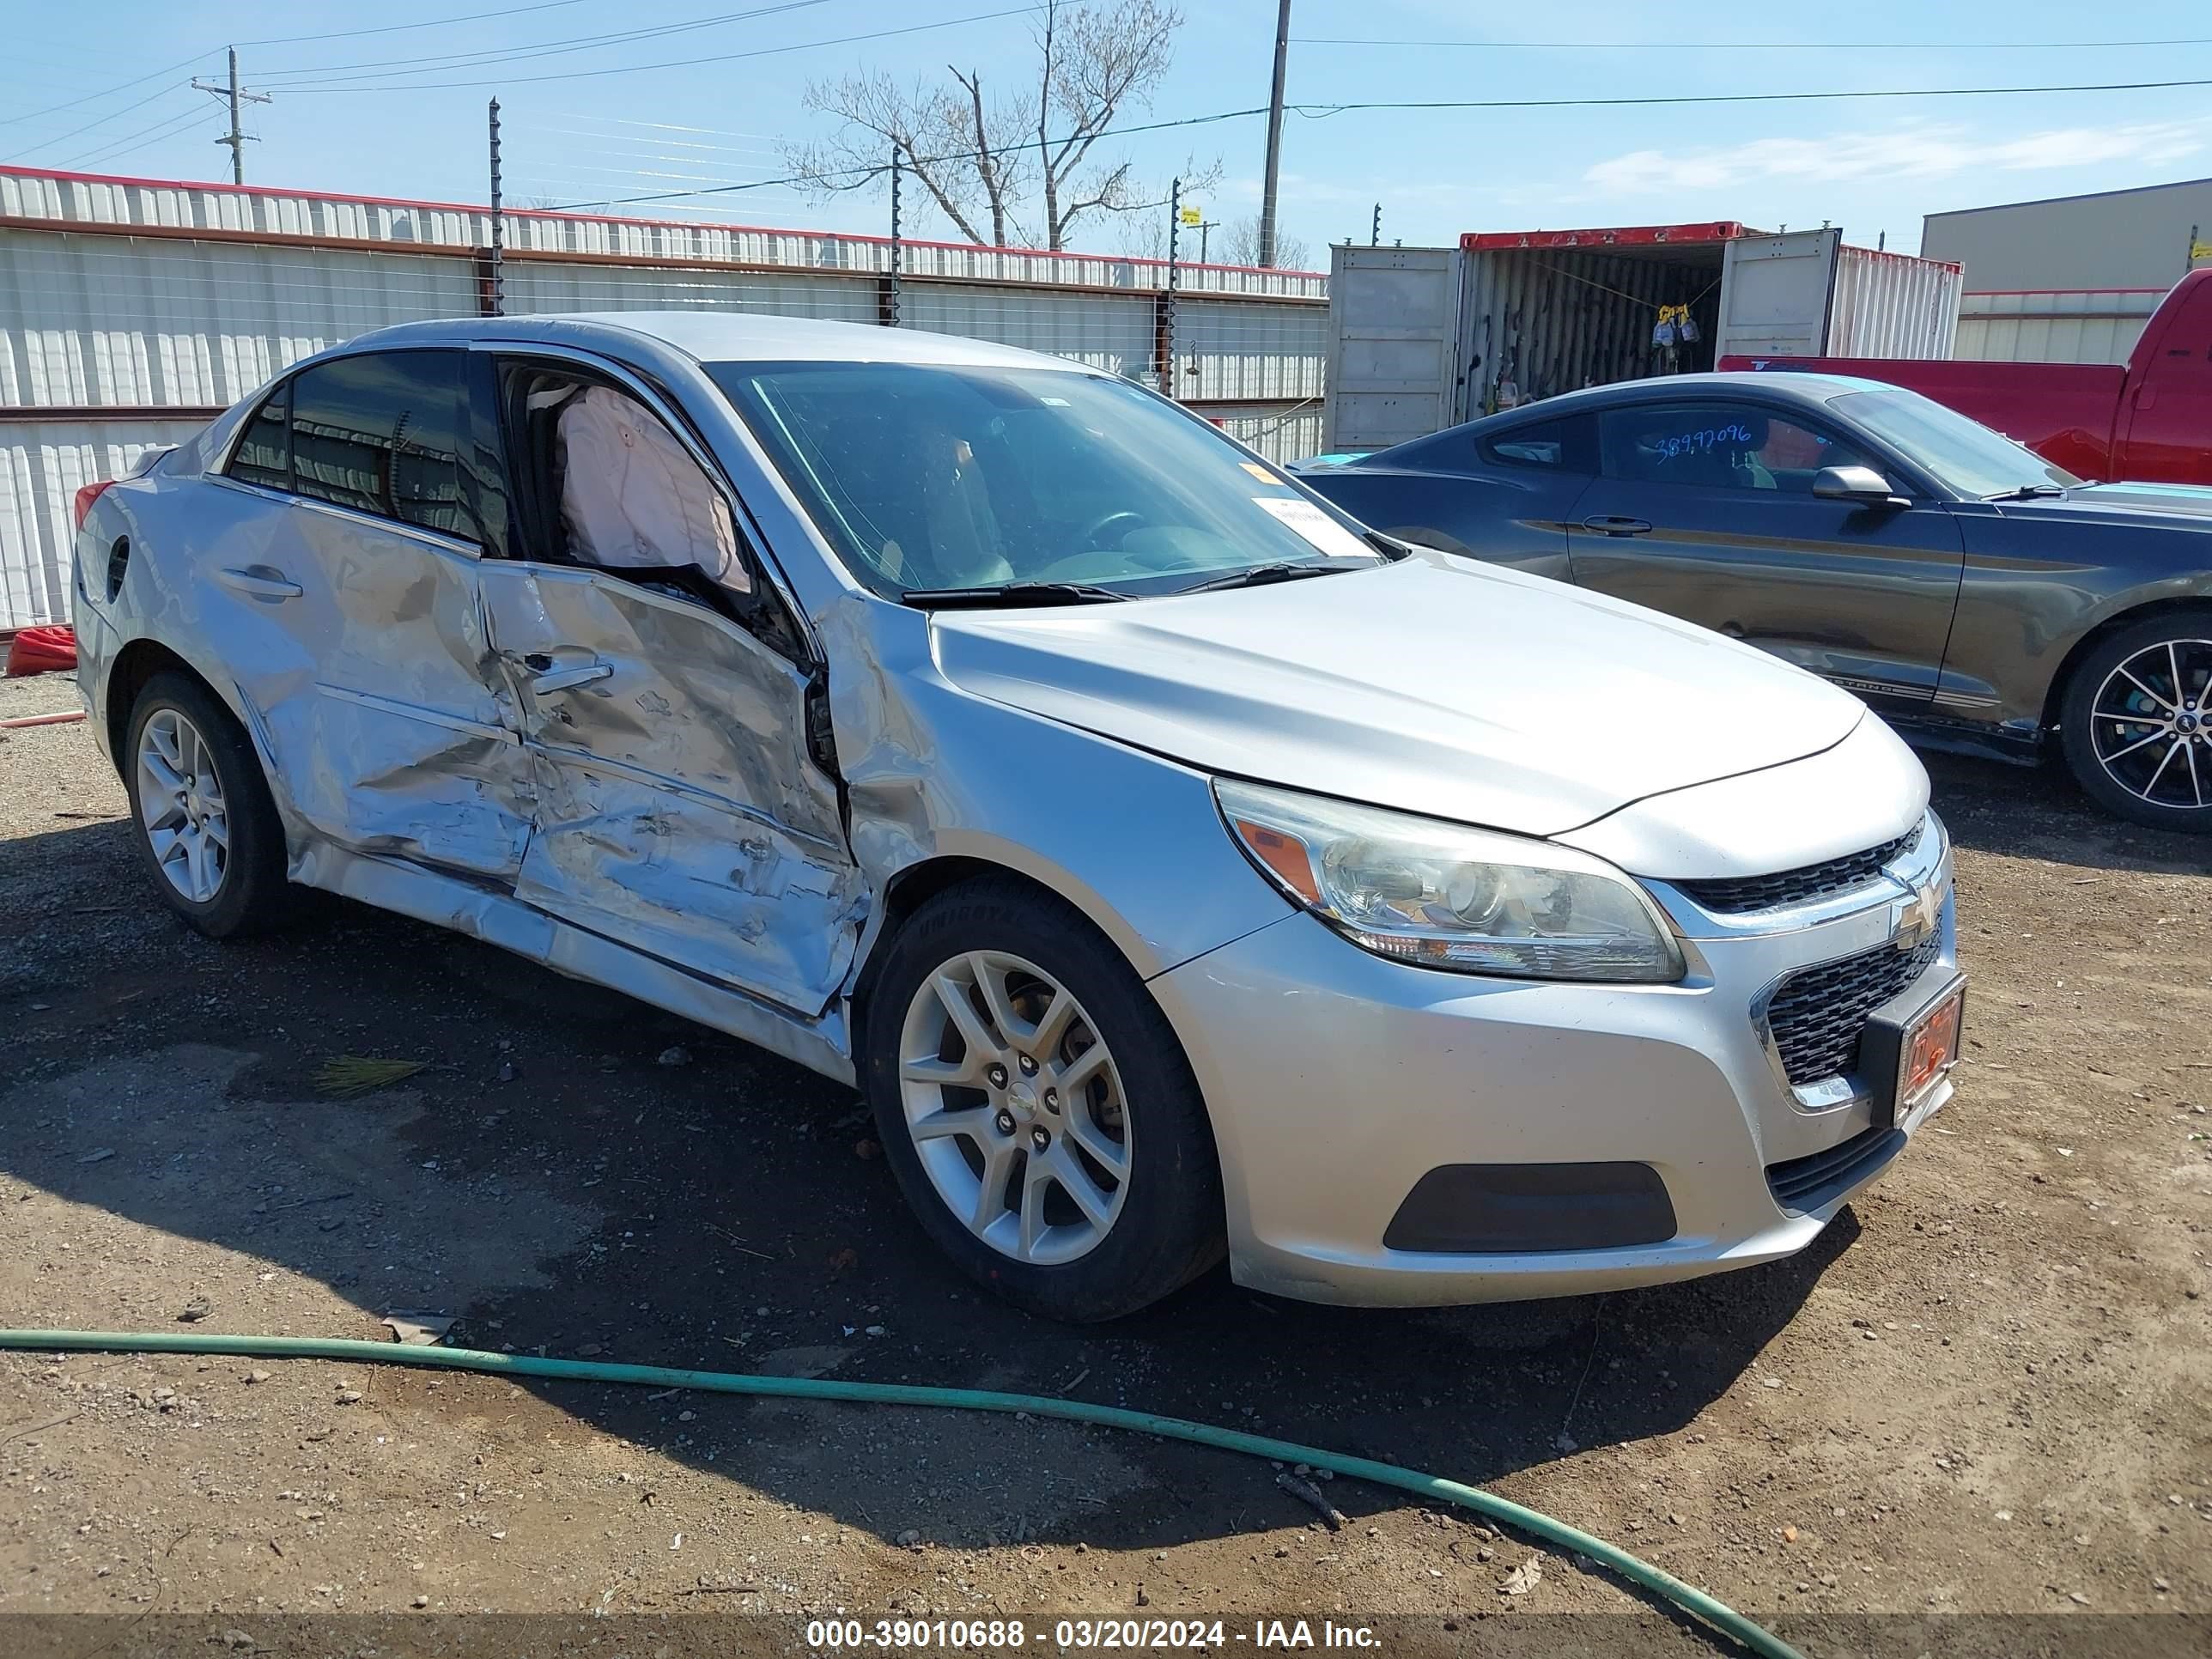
[(1962, 455), (928, 479)]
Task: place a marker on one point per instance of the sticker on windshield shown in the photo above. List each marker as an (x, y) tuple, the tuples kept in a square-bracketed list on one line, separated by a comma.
[(1259, 472), (1315, 526)]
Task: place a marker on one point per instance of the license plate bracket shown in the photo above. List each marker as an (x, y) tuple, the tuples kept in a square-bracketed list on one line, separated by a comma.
[(1909, 1044)]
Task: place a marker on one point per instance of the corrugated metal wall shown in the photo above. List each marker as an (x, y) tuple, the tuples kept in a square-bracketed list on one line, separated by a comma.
[(111, 321), (2076, 326), (1273, 432), (1114, 334), (30, 193), (42, 463), (533, 289), (1250, 353), (209, 300)]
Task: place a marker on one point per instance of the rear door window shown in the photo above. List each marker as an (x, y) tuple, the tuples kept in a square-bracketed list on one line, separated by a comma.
[(387, 433)]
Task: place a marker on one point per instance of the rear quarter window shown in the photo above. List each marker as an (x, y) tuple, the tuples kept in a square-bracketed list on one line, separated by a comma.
[(263, 455), (1553, 446)]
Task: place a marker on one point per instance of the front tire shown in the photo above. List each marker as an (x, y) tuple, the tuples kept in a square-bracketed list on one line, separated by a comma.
[(2135, 724), (204, 822), (1035, 1108)]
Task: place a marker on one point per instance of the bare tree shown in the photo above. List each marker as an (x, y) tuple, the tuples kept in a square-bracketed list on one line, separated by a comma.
[(1239, 244), (981, 156), (1142, 235)]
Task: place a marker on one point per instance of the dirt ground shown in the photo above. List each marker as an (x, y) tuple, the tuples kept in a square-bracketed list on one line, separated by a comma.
[(1986, 1391)]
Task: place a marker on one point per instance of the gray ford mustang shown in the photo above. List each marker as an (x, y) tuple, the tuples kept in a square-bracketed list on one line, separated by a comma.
[(1980, 597)]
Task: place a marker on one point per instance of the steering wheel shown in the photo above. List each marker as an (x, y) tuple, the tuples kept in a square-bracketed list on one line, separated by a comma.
[(1097, 527)]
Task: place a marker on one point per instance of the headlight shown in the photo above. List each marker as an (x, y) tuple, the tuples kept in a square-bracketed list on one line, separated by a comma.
[(1443, 896)]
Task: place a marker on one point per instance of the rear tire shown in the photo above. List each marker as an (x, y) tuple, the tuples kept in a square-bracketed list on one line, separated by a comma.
[(1079, 1185), (201, 810), (2135, 724)]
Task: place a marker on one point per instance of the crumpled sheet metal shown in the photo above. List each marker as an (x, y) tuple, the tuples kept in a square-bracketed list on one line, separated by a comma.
[(674, 811), (697, 862), (932, 771)]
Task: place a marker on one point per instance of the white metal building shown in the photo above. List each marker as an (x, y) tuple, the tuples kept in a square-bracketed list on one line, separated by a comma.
[(133, 310), (2070, 279)]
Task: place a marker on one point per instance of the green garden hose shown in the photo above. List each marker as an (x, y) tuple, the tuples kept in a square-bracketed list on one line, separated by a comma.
[(1692, 1601)]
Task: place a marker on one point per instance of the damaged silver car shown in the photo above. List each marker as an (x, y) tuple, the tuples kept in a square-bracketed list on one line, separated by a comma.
[(1181, 869)]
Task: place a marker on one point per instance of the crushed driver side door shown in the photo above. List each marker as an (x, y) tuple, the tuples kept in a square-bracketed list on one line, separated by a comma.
[(678, 812)]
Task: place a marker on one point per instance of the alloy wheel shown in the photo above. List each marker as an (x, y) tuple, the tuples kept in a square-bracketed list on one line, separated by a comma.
[(1015, 1106), (2151, 724), (181, 805)]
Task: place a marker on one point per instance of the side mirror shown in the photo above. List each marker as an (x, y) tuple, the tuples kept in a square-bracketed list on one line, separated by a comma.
[(1862, 484)]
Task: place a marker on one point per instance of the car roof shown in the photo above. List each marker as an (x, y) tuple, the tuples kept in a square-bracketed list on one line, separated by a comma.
[(720, 336), (1784, 386), (1791, 384)]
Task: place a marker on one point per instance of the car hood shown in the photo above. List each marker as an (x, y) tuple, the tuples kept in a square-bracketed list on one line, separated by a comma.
[(1468, 692), (2122, 503)]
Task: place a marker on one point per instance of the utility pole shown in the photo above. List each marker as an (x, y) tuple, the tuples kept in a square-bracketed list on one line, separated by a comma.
[(1375, 230), (238, 137), (1274, 135)]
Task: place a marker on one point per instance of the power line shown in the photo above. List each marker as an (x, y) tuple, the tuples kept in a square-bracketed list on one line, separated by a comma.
[(167, 126), (1748, 45), (390, 67), (1318, 112), (863, 172), (113, 115), (401, 28), (89, 97), (681, 62), (1323, 110)]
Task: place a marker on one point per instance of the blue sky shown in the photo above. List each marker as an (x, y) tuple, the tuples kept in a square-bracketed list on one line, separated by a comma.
[(1872, 166)]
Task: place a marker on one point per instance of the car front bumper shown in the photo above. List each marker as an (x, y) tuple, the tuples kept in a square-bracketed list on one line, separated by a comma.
[(1338, 1080)]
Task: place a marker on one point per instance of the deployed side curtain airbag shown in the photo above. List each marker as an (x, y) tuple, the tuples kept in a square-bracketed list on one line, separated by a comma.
[(632, 496)]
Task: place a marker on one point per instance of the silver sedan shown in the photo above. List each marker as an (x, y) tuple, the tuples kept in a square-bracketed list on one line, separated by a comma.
[(1181, 869)]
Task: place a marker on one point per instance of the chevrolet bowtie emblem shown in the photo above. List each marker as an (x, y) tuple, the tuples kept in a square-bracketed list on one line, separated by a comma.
[(1914, 919)]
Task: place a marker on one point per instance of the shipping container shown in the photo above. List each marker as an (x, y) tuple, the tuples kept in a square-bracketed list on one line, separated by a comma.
[(1420, 338)]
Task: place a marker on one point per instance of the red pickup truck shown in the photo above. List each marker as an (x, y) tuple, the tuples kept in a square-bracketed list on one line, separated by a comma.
[(2151, 420)]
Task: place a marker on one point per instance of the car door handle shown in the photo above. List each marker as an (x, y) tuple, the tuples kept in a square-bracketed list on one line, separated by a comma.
[(259, 581), (551, 679), (1610, 524)]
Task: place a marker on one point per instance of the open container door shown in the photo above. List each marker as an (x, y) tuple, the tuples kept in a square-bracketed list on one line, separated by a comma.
[(1777, 293), (1393, 336)]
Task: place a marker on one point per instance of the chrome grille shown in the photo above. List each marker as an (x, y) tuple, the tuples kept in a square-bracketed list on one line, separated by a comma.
[(1797, 886), (1816, 1015)]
